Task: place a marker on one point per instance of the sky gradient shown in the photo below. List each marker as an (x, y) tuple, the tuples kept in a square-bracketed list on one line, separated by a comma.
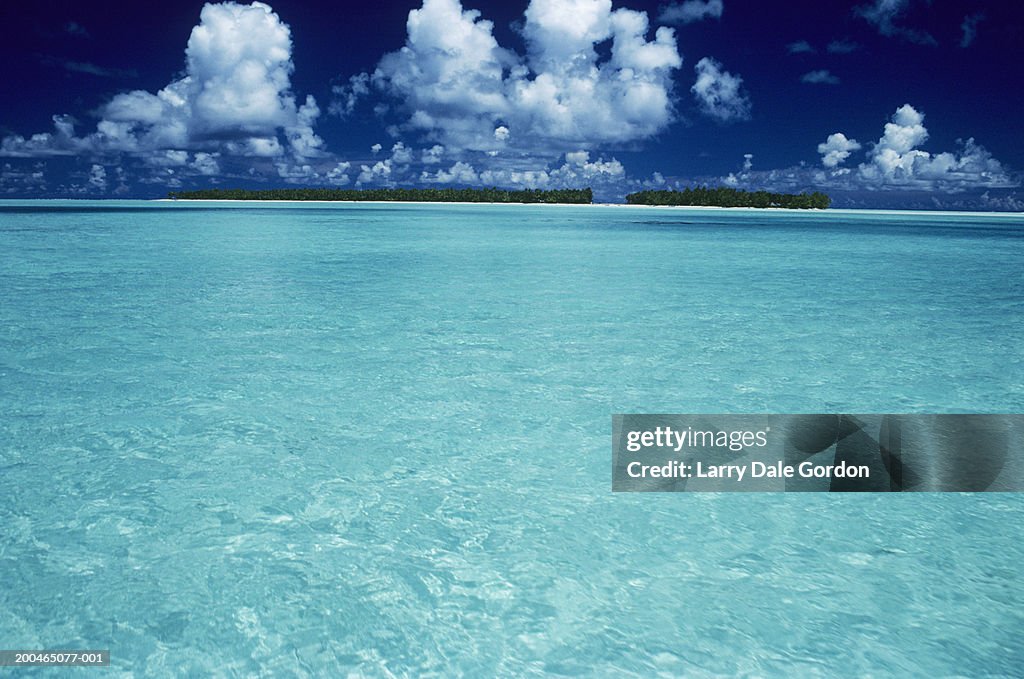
[(879, 103)]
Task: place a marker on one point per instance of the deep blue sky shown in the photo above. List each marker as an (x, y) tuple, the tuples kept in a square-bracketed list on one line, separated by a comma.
[(73, 58)]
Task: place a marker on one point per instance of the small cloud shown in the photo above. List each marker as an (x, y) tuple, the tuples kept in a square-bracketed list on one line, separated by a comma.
[(800, 47), (720, 93), (76, 29), (296, 173), (842, 47), (379, 172), (375, 149), (502, 133), (347, 96), (168, 158), (836, 149), (691, 11), (970, 28), (748, 161), (432, 156), (338, 176), (883, 14), (206, 163), (459, 173), (93, 69), (400, 155), (87, 68), (819, 77), (98, 178)]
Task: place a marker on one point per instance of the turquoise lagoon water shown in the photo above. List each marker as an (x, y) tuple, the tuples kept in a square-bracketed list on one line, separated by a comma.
[(374, 440)]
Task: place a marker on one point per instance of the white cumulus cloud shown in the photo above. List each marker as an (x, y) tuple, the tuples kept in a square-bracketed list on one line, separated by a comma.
[(836, 149), (235, 96), (400, 154), (719, 93), (577, 170), (896, 164), (378, 173), (579, 163), (459, 87), (459, 173), (206, 163), (433, 155), (338, 175), (897, 161)]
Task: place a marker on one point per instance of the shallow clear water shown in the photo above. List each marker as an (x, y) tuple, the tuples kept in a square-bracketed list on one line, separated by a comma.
[(305, 440)]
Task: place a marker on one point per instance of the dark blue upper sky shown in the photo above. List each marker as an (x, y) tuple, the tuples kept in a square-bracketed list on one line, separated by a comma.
[(873, 101)]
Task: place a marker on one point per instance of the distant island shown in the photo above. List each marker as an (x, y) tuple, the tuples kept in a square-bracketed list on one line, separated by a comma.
[(724, 197), (448, 195), (700, 196)]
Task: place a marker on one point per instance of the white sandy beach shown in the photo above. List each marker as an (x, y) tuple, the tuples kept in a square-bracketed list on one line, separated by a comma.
[(852, 211)]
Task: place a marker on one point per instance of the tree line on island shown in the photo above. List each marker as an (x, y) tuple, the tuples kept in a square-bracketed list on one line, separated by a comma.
[(446, 195), (726, 197), (699, 196)]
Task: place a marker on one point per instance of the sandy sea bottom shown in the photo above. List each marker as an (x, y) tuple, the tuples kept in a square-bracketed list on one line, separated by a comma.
[(375, 439)]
